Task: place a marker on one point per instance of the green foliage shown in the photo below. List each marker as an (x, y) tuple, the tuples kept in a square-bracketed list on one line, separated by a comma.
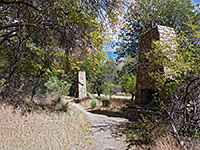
[(106, 102), (114, 88), (57, 87), (177, 80), (64, 107), (129, 66), (127, 75), (88, 95), (129, 84), (146, 126), (2, 84), (100, 81), (94, 103), (143, 15), (148, 129), (179, 64), (50, 39), (59, 99)]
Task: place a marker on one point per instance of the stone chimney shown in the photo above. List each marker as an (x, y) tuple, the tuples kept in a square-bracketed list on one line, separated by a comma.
[(144, 88)]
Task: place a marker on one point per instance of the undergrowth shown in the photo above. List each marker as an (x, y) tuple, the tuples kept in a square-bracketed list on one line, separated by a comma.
[(148, 132), (94, 102), (105, 102), (44, 130)]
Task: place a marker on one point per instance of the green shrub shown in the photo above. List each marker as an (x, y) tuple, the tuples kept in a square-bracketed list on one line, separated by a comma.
[(94, 103), (57, 87), (64, 107), (59, 98), (105, 102), (88, 95)]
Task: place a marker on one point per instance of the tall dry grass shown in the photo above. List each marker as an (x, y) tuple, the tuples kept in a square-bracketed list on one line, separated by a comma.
[(169, 143), (166, 143), (41, 131)]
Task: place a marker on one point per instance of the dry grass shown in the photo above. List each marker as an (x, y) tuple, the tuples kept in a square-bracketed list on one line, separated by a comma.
[(116, 103), (166, 143), (87, 103), (45, 131), (169, 143)]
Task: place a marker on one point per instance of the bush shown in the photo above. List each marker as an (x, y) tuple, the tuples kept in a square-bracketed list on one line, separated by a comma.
[(129, 84), (88, 95), (177, 79), (57, 87), (64, 107), (94, 103), (105, 102)]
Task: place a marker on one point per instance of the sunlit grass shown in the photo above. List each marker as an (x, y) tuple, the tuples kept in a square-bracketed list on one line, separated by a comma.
[(45, 131), (116, 103)]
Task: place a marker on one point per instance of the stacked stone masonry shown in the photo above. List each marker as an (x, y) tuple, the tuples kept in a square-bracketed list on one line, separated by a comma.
[(144, 88)]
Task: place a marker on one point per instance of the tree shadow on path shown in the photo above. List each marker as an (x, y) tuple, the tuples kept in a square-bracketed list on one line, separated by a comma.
[(122, 129), (107, 113)]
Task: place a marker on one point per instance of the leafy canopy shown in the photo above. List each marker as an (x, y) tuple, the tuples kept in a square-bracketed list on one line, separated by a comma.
[(42, 38), (143, 15)]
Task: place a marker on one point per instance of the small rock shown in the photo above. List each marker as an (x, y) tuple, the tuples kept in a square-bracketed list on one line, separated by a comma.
[(109, 148)]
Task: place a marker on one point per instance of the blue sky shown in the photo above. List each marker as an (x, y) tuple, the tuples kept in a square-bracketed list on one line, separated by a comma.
[(196, 1), (110, 48), (110, 54)]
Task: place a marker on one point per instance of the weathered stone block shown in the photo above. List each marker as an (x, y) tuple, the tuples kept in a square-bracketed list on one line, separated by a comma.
[(81, 85)]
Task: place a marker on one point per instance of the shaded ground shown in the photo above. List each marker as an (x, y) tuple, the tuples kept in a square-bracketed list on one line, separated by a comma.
[(107, 113), (105, 130)]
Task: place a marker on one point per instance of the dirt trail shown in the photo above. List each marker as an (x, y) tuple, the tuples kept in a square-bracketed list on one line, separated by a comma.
[(104, 131)]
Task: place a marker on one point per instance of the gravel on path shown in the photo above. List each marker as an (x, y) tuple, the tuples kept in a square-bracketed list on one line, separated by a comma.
[(104, 131)]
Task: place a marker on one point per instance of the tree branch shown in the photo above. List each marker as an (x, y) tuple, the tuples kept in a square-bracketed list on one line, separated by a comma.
[(18, 2)]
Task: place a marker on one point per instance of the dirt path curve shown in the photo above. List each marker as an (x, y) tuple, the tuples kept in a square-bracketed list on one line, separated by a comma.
[(104, 131)]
